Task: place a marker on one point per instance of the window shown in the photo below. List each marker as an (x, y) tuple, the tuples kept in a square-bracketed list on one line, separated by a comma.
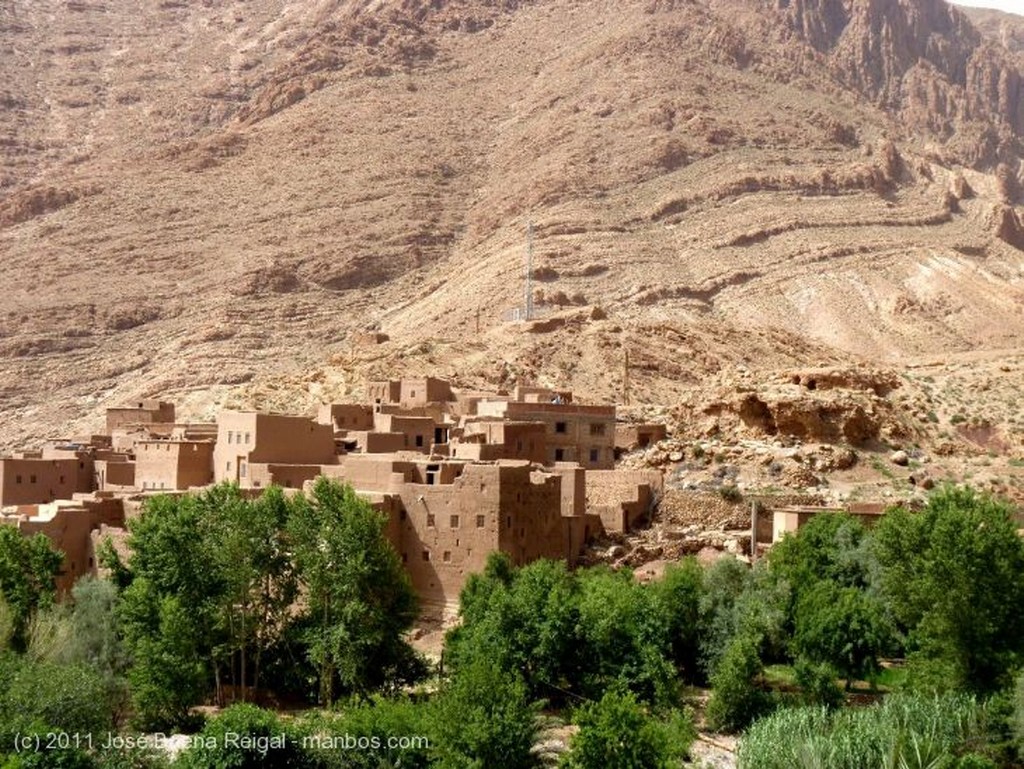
[(480, 521), (447, 557), (426, 555), (247, 438), (430, 520), (31, 479), (594, 454), (559, 455), (401, 514), (508, 521), (62, 479), (228, 468), (81, 465), (597, 428), (560, 427), (419, 441), (17, 479), (453, 521), (229, 436), (405, 558), (241, 469)]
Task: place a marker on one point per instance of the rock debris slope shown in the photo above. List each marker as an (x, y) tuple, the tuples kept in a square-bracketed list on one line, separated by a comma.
[(209, 200)]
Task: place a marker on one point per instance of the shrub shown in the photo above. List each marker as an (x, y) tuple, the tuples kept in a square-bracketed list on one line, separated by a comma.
[(817, 682), (373, 727), (247, 737), (737, 699), (482, 718), (618, 732)]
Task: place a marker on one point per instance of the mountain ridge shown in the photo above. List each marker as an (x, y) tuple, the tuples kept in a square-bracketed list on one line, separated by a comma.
[(251, 185)]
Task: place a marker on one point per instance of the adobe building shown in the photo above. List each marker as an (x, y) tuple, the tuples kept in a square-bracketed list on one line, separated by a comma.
[(69, 524), (638, 435), (29, 479), (410, 393), (583, 434), (791, 518), (145, 412), (346, 416), (446, 517), (173, 464), (486, 440), (623, 498), (114, 471), (245, 438)]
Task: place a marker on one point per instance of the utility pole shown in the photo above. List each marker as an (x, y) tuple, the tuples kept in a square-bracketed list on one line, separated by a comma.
[(625, 381), (528, 303)]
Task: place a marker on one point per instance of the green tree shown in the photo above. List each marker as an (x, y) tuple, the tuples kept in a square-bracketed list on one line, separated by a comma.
[(625, 638), (248, 543), (168, 613), (724, 582), (831, 546), (841, 626), (618, 732), (482, 718), (525, 620), (28, 570), (678, 597), (953, 577), (737, 697), (170, 668), (360, 598)]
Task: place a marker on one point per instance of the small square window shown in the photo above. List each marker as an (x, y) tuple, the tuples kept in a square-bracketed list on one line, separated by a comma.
[(597, 428), (426, 555), (430, 520), (594, 454), (559, 455), (480, 520), (560, 427), (17, 479), (453, 521), (419, 441), (447, 557), (31, 479)]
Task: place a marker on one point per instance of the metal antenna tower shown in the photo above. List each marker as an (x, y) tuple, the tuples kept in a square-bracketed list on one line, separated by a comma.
[(528, 303)]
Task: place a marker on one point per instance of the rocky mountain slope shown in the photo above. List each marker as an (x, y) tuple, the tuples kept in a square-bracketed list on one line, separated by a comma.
[(211, 200)]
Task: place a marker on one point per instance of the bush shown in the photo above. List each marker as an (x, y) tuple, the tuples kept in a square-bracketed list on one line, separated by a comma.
[(737, 699), (618, 732), (247, 737), (66, 698), (817, 682), (483, 718), (373, 728)]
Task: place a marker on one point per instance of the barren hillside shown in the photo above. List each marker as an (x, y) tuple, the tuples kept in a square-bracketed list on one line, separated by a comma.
[(207, 200)]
